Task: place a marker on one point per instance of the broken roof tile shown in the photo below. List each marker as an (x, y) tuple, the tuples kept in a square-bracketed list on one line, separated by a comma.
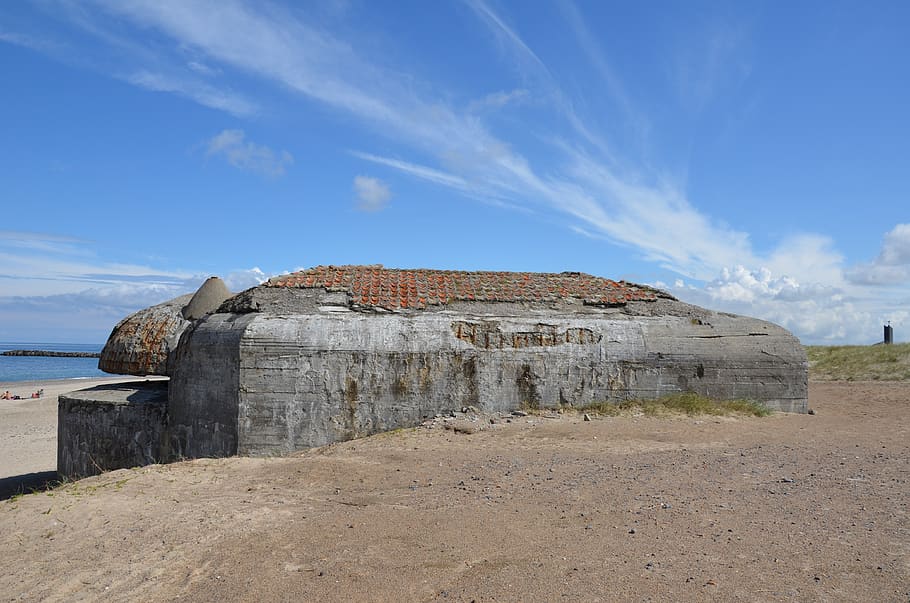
[(394, 289)]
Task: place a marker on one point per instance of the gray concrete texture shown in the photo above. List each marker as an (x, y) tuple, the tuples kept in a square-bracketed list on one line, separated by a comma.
[(142, 343), (280, 368), (210, 295), (277, 381)]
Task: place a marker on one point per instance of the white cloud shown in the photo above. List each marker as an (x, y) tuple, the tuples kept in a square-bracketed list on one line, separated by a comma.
[(420, 171), (202, 68), (240, 280), (247, 155), (896, 248), (27, 41), (372, 193), (816, 313), (803, 282), (62, 292), (892, 266), (201, 92), (497, 100)]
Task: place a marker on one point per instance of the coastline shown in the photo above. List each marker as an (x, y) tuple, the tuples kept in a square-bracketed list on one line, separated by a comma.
[(28, 427)]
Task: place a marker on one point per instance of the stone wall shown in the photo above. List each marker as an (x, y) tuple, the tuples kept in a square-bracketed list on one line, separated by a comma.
[(111, 427)]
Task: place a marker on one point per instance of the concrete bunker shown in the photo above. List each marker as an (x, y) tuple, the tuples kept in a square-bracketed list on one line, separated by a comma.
[(337, 352)]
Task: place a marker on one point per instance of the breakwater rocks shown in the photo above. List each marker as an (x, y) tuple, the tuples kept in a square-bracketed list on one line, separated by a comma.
[(50, 354)]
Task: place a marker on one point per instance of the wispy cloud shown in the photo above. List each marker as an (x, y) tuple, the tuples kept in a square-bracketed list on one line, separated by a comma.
[(27, 41), (420, 171), (573, 173), (54, 287), (497, 100), (200, 92), (41, 264), (612, 82), (582, 180), (372, 193), (247, 155), (717, 61)]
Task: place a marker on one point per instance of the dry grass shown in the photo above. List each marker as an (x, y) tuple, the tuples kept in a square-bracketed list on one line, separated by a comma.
[(859, 363), (688, 404)]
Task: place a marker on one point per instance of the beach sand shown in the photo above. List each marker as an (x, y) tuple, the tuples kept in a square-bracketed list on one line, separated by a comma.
[(542, 508), (28, 427)]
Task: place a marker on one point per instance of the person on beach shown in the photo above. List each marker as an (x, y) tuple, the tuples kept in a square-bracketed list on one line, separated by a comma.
[(6, 396)]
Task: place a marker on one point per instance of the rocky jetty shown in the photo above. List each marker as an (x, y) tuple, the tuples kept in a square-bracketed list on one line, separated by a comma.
[(51, 354)]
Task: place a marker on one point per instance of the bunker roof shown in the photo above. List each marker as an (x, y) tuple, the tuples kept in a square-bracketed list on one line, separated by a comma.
[(393, 289)]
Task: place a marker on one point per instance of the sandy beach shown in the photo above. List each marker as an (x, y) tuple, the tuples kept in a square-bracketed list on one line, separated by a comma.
[(28, 427), (538, 508)]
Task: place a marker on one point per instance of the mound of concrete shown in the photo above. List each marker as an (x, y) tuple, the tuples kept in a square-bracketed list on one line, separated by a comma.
[(337, 352)]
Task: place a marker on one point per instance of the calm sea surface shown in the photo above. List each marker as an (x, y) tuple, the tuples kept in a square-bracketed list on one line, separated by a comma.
[(39, 368)]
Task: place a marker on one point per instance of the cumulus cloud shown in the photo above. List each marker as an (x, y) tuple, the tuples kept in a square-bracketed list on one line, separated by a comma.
[(817, 313), (892, 266), (247, 155), (372, 193), (740, 284)]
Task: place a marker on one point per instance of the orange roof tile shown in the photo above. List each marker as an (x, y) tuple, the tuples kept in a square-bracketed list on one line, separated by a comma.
[(393, 289)]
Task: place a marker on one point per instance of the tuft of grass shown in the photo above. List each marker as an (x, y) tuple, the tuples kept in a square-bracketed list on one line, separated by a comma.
[(859, 362), (685, 403)]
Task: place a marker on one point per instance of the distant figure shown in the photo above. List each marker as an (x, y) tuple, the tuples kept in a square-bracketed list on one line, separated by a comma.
[(6, 396), (36, 395)]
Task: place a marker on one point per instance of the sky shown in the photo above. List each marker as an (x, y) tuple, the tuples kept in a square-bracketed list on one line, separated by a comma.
[(749, 157)]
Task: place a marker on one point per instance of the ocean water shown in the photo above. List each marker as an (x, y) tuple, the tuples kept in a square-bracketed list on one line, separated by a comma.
[(39, 368)]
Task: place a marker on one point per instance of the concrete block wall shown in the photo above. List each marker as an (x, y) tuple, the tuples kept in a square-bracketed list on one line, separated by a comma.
[(111, 427), (263, 383)]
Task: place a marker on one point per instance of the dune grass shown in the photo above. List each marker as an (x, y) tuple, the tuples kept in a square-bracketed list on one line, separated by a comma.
[(688, 404), (859, 362)]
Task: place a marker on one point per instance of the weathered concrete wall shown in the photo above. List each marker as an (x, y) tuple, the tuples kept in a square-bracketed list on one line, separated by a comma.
[(262, 383), (111, 427), (206, 381), (143, 343)]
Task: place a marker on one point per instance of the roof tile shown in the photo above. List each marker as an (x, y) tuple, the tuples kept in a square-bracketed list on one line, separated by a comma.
[(394, 289)]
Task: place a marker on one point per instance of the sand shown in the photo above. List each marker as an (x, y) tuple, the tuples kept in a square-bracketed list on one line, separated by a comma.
[(28, 429), (783, 508)]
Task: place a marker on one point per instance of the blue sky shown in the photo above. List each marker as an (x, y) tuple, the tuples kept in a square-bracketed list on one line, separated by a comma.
[(747, 157)]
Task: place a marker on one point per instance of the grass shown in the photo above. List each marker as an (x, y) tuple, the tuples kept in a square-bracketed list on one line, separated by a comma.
[(859, 362), (688, 404)]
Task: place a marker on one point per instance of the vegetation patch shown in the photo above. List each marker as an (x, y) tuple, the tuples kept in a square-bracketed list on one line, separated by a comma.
[(859, 362), (688, 404)]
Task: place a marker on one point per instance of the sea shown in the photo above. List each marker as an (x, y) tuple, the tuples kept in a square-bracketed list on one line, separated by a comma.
[(41, 368)]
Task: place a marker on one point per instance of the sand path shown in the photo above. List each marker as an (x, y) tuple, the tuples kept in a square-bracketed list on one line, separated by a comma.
[(784, 508)]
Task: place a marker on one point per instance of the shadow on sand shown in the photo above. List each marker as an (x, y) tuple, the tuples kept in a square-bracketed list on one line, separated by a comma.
[(28, 483)]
